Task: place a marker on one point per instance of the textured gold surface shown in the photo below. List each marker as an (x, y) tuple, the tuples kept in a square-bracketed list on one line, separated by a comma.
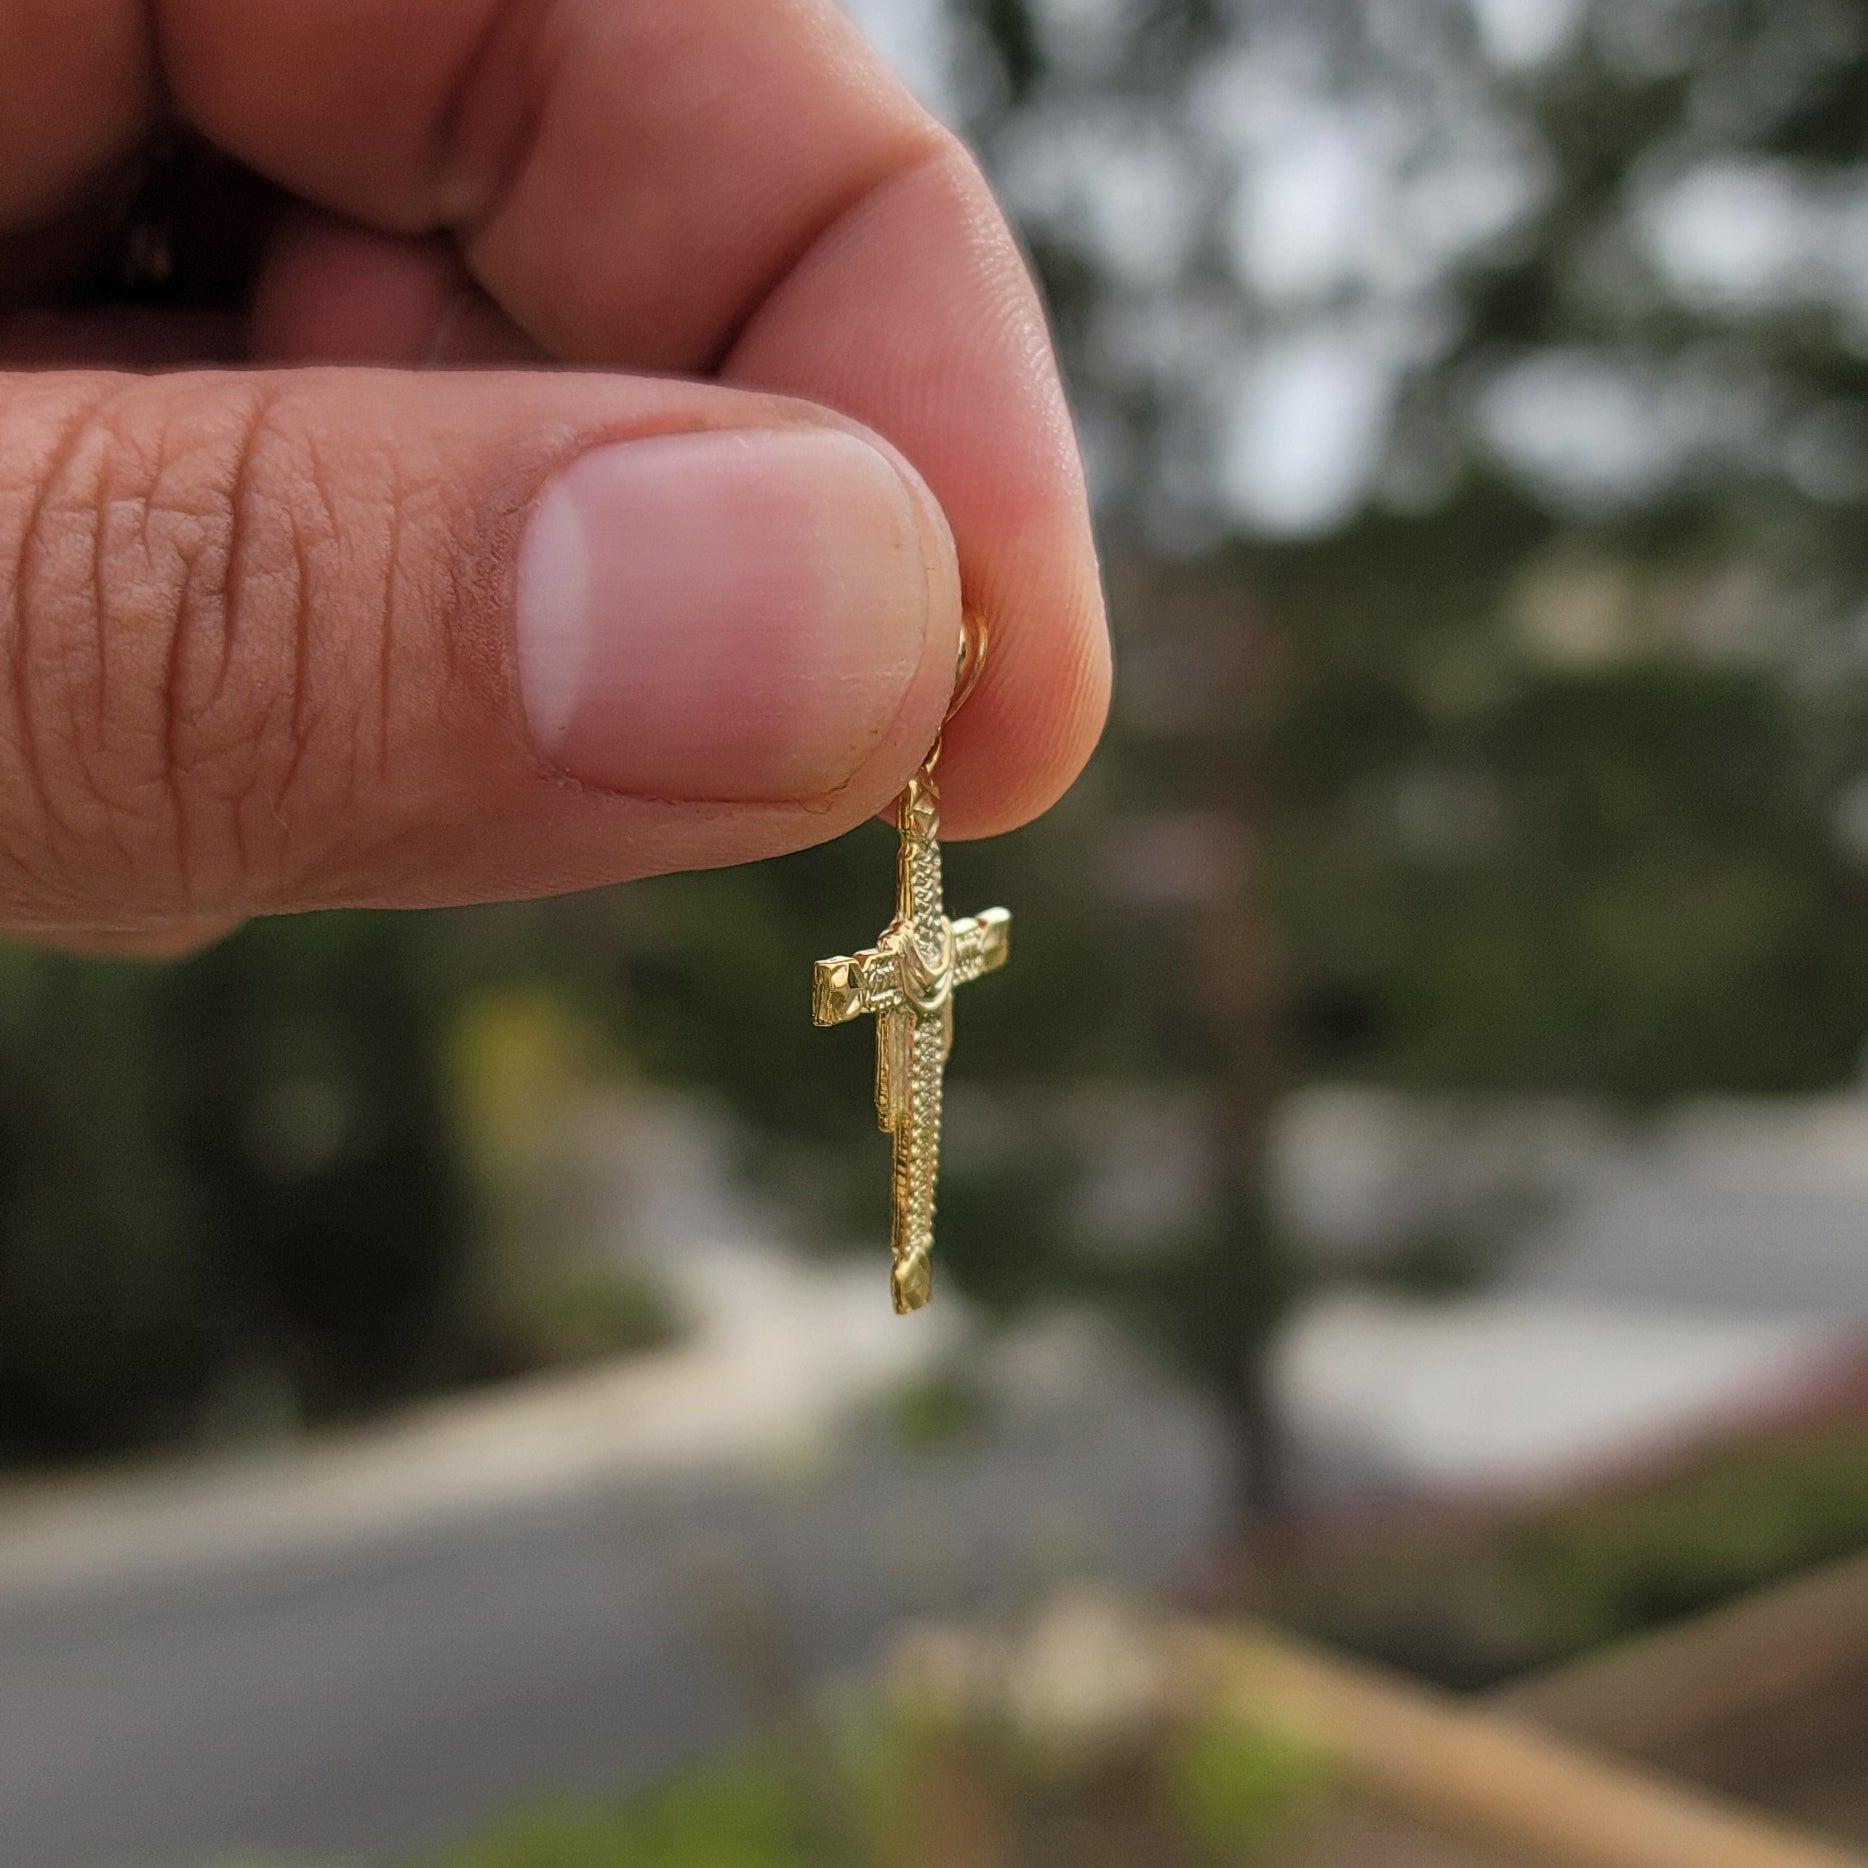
[(906, 983)]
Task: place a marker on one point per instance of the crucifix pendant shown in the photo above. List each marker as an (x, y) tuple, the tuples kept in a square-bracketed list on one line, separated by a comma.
[(906, 982)]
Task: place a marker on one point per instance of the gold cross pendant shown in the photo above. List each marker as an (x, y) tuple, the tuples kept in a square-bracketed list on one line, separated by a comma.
[(906, 981)]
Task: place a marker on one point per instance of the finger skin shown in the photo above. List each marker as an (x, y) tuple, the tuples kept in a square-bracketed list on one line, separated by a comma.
[(719, 184), (78, 86), (916, 313), (730, 186), (331, 291), (257, 648)]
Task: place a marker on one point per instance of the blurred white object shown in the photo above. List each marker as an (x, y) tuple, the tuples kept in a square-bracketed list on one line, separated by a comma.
[(917, 39), (1088, 1671), (1521, 1393), (1522, 33)]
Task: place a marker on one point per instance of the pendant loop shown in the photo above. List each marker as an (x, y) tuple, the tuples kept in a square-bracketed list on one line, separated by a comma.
[(974, 641)]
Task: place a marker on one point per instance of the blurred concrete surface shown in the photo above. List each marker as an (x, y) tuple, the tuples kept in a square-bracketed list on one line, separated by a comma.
[(375, 1642)]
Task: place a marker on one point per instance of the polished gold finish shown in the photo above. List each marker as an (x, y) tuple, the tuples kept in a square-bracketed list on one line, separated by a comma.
[(974, 641), (906, 982)]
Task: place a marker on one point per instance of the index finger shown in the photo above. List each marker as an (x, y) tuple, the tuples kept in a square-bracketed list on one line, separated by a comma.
[(721, 186)]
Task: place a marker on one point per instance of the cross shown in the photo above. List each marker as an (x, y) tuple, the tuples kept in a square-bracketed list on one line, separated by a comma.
[(906, 981)]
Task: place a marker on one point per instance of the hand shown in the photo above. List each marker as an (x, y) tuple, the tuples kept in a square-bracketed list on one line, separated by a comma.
[(379, 632)]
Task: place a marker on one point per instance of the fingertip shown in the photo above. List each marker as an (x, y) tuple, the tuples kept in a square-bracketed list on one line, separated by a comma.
[(917, 314), (1025, 736)]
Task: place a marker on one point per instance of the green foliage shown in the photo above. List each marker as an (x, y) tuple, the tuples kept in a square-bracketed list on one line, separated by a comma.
[(1493, 853), (1214, 1298), (244, 1161), (106, 1263), (1659, 1555), (1645, 895), (1476, 1606), (584, 1314), (1214, 1794), (941, 1411), (734, 1815), (1005, 1236), (309, 1070), (902, 1780), (1234, 1786)]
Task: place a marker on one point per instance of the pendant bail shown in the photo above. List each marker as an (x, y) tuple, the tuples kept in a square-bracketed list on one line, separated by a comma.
[(969, 660), (974, 641)]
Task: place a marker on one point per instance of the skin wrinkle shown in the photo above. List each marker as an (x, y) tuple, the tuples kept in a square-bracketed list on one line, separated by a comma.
[(445, 606), (363, 793), (183, 630), (174, 518), (457, 600), (302, 718), (91, 729), (18, 740), (179, 625), (208, 616), (34, 546), (87, 652), (498, 511), (237, 495), (386, 641), (255, 734)]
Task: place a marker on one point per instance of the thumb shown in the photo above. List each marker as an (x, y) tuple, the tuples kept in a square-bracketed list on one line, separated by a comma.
[(341, 637)]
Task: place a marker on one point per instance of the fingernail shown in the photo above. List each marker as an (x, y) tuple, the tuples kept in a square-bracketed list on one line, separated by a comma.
[(730, 616)]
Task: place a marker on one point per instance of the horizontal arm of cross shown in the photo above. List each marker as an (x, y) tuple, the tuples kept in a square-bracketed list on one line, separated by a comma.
[(848, 985), (981, 944)]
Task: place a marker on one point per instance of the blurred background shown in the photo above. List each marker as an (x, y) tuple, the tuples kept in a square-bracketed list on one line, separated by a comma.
[(1412, 1184)]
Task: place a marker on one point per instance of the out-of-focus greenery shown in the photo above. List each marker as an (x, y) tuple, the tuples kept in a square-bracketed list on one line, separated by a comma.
[(731, 1815), (583, 1313), (1214, 1795), (940, 1411), (1659, 1555), (1472, 1606), (1202, 1792), (236, 1194), (223, 1181), (1235, 1788)]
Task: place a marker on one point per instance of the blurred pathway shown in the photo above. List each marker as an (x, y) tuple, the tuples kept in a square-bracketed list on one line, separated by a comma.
[(374, 1644)]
